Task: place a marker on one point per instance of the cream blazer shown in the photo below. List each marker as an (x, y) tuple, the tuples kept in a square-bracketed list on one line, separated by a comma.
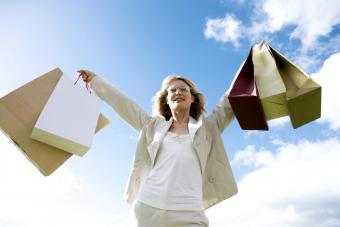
[(218, 180)]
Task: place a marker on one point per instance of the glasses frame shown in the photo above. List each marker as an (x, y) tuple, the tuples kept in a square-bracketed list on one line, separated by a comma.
[(181, 88)]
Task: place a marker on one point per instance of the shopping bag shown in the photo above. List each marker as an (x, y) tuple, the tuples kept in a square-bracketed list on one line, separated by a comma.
[(69, 118), (244, 98), (270, 85), (19, 111), (303, 93)]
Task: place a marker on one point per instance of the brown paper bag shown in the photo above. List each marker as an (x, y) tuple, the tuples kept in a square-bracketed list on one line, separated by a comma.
[(19, 111)]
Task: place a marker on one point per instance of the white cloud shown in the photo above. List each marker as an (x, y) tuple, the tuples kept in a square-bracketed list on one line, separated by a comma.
[(277, 142), (62, 199), (310, 20), (249, 156), (329, 79), (297, 187), (279, 122), (313, 59), (227, 29)]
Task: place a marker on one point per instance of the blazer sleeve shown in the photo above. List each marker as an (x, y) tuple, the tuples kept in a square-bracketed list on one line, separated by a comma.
[(121, 104), (222, 115)]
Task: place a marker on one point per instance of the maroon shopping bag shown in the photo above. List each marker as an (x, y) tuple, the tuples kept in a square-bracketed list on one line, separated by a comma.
[(244, 98)]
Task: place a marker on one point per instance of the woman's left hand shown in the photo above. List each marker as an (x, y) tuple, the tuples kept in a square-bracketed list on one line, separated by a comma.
[(86, 75)]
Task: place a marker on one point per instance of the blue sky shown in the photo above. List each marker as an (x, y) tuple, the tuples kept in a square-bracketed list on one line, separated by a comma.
[(286, 176)]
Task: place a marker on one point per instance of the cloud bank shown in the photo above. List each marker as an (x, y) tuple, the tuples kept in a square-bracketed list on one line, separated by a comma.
[(62, 199), (307, 21), (295, 185)]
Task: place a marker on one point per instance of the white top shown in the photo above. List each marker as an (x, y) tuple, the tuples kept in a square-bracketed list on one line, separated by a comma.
[(175, 182)]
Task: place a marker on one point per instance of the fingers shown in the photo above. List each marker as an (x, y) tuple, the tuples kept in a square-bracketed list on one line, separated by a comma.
[(86, 75)]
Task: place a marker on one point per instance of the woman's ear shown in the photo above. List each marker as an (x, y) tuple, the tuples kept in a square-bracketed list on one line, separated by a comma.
[(192, 98)]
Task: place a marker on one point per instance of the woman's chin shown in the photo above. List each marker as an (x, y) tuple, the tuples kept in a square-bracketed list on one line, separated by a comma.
[(180, 107)]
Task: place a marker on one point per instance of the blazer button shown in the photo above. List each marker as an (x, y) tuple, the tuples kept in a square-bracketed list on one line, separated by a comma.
[(211, 179), (137, 180)]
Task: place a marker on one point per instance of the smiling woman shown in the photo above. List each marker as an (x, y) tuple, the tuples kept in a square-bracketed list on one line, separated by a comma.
[(180, 166), (175, 87)]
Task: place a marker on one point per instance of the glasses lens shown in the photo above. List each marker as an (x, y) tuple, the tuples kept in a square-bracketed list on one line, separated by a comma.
[(172, 90), (182, 88)]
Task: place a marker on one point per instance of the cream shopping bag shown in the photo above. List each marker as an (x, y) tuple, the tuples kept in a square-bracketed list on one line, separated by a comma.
[(270, 85)]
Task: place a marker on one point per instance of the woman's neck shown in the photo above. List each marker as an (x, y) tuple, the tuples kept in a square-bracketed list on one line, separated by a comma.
[(180, 123), (180, 117)]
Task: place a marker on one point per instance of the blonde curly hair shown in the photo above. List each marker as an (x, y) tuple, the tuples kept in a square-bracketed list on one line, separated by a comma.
[(160, 106)]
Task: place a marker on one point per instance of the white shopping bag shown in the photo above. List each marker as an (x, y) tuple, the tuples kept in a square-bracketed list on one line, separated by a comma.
[(69, 118)]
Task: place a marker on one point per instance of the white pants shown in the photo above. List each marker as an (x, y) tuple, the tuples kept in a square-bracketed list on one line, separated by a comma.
[(148, 216)]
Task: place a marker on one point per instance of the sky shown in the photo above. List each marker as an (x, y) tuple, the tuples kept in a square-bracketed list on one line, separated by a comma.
[(286, 177)]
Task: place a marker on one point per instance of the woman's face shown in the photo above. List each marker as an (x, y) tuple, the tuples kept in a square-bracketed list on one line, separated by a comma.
[(179, 96)]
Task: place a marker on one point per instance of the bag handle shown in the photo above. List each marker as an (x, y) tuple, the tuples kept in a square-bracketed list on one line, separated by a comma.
[(87, 85), (264, 43)]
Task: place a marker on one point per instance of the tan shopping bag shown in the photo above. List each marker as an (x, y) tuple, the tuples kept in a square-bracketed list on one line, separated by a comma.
[(303, 93), (19, 111)]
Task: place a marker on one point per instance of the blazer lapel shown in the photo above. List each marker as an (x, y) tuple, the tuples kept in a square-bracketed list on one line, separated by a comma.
[(193, 126), (160, 131)]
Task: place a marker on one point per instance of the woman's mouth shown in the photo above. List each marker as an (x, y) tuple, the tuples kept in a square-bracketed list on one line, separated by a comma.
[(178, 99)]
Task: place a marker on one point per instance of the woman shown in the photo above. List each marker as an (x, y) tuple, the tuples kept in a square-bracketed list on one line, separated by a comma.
[(180, 166)]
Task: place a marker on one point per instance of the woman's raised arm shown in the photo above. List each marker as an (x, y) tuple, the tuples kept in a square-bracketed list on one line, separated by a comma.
[(121, 104)]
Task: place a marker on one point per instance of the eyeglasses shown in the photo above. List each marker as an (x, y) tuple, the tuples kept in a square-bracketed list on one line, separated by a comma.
[(182, 88)]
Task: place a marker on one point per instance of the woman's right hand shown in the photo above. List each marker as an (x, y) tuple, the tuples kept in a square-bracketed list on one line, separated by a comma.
[(86, 75)]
